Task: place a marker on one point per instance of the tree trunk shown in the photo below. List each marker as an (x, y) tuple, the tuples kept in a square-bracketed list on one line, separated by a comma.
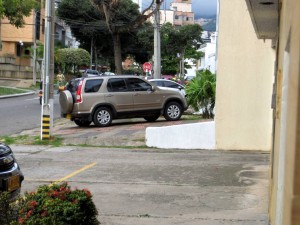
[(117, 52)]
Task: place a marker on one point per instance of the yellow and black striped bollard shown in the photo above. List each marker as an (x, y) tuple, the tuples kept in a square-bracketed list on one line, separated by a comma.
[(46, 127)]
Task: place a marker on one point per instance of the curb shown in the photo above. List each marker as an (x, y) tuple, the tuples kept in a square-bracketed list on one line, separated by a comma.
[(17, 95)]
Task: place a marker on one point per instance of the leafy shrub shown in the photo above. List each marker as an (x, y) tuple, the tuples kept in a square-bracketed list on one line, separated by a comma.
[(59, 205), (8, 209), (201, 92)]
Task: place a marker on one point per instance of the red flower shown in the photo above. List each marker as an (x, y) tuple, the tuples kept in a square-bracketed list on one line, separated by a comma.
[(29, 213), (21, 220), (87, 193), (44, 214), (33, 204)]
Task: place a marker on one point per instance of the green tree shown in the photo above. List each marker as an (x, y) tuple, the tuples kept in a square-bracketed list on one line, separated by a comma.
[(71, 59), (178, 43), (89, 26), (123, 16), (175, 41), (201, 92), (15, 11)]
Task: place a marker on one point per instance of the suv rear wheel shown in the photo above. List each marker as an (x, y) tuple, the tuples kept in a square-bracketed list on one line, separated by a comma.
[(82, 123), (102, 117), (173, 111)]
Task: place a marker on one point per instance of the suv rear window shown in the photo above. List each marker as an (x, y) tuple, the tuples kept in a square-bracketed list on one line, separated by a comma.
[(72, 85), (93, 85)]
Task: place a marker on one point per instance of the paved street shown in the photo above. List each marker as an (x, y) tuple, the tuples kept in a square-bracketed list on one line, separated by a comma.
[(133, 185), (22, 113)]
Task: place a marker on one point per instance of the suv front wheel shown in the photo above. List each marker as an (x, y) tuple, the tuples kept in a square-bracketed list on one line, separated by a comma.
[(102, 117), (173, 111)]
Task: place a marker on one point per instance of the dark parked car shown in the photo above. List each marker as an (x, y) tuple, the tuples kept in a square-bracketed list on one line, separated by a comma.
[(11, 176)]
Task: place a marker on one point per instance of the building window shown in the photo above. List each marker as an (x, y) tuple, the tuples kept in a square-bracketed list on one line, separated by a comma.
[(37, 24), (176, 17), (57, 36), (26, 52), (19, 50)]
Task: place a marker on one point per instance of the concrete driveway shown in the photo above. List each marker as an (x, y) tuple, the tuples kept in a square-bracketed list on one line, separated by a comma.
[(134, 186)]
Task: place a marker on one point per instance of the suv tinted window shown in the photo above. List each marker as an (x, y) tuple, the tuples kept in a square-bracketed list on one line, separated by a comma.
[(92, 85), (116, 85), (138, 84), (171, 84), (72, 85)]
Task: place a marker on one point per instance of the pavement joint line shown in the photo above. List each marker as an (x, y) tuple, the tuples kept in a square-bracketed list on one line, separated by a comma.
[(121, 183), (180, 217), (74, 173)]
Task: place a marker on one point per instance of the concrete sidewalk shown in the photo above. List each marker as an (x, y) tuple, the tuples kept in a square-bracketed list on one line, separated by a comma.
[(136, 185), (157, 186)]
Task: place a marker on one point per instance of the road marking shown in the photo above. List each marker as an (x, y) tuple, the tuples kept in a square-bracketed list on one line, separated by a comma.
[(74, 173)]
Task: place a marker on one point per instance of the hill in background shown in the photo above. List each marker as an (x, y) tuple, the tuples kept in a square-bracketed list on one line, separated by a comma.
[(210, 26)]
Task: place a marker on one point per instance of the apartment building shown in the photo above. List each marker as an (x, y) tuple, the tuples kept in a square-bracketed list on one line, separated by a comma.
[(180, 13), (16, 56)]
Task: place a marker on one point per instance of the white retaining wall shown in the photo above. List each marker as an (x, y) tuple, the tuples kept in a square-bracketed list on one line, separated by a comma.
[(187, 136)]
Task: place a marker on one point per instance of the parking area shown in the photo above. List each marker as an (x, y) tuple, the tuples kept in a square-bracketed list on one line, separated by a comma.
[(133, 185)]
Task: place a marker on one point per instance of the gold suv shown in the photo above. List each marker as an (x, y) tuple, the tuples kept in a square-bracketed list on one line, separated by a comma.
[(102, 99)]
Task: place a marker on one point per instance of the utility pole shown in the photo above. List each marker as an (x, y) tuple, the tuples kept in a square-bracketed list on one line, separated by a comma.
[(157, 51), (34, 49), (47, 107)]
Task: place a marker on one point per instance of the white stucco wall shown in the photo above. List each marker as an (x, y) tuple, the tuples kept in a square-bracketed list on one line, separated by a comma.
[(166, 16), (182, 7), (245, 78), (187, 136)]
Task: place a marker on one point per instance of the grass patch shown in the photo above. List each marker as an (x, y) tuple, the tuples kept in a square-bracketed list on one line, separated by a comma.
[(31, 140), (54, 141), (191, 117), (9, 140), (11, 91), (140, 140)]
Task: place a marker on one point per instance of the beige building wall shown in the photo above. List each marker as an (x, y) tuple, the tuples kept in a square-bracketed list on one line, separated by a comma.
[(244, 82), (285, 182)]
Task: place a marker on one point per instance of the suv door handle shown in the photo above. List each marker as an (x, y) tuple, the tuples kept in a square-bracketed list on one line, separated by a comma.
[(109, 95)]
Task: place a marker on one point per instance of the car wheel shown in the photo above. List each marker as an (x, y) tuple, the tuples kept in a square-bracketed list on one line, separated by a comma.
[(82, 123), (152, 118), (173, 111), (102, 117)]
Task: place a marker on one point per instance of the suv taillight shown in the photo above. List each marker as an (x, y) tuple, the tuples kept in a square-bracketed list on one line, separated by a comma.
[(79, 93)]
